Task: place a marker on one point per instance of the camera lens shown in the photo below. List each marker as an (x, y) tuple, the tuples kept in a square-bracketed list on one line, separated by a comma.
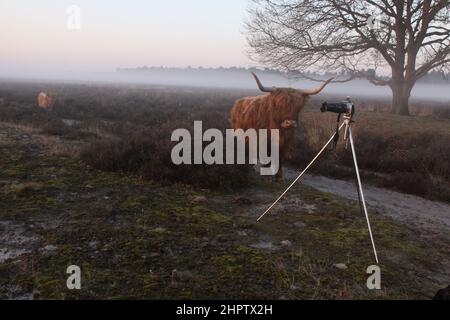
[(340, 107)]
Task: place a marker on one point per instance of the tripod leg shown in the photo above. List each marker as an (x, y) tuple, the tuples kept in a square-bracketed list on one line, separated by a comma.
[(301, 174), (361, 193)]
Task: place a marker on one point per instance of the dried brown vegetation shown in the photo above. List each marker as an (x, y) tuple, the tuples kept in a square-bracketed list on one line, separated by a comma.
[(128, 129)]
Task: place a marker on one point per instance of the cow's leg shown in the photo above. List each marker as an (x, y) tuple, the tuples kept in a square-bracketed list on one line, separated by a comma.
[(274, 176), (257, 167), (280, 175), (248, 160), (281, 150)]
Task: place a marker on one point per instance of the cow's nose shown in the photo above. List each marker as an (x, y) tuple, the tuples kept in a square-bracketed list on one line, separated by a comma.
[(288, 124)]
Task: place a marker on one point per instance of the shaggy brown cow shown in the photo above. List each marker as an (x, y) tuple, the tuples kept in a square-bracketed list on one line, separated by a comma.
[(279, 109), (45, 101)]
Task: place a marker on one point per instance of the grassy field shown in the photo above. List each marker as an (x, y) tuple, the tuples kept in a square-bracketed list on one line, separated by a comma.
[(99, 191)]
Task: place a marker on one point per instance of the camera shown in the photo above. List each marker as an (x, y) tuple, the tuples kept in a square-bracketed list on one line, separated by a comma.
[(344, 107)]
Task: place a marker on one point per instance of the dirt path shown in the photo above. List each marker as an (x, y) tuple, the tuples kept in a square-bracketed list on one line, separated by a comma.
[(424, 214)]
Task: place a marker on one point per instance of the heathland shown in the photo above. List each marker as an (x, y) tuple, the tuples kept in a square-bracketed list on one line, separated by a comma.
[(92, 184)]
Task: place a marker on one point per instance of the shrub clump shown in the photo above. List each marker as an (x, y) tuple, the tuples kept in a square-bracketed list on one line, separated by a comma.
[(147, 152)]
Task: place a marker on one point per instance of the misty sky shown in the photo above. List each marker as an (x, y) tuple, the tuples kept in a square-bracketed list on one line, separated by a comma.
[(117, 33)]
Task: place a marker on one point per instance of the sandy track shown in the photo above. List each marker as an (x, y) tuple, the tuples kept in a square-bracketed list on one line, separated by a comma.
[(413, 210)]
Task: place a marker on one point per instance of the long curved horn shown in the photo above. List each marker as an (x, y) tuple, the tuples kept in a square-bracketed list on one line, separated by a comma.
[(316, 91), (260, 86)]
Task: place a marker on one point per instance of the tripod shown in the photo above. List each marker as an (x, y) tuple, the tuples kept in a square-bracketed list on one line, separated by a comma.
[(348, 122)]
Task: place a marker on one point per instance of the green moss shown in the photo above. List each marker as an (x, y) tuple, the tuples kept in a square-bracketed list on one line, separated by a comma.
[(149, 281), (255, 257), (25, 282), (159, 231), (56, 182), (23, 188), (226, 263), (136, 201), (10, 172)]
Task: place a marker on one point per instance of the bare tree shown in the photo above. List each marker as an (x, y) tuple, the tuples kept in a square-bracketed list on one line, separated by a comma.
[(404, 39)]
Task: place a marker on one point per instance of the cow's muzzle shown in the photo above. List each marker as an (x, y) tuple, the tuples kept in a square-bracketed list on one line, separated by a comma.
[(289, 124)]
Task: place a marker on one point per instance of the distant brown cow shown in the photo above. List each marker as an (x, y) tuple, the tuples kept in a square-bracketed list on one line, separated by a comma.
[(45, 101), (277, 110)]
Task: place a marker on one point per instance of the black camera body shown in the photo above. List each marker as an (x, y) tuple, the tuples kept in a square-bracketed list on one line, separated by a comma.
[(345, 107)]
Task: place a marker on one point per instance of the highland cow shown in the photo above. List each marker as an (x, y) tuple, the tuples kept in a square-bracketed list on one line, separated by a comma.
[(279, 109), (45, 101)]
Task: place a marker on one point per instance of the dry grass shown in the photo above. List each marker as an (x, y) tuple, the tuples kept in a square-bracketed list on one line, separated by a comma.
[(128, 129), (54, 145)]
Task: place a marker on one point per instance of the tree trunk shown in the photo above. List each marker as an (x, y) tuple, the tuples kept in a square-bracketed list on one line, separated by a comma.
[(400, 100)]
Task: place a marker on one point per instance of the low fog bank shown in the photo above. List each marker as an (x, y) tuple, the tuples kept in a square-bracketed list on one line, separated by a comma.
[(243, 80)]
